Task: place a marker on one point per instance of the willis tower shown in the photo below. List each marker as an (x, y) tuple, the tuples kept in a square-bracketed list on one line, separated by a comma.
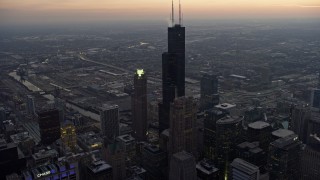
[(173, 70)]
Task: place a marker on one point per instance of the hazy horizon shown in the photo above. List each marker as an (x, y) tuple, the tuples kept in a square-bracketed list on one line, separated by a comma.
[(44, 12)]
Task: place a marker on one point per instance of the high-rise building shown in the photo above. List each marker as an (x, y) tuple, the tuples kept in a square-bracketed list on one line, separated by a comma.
[(154, 160), (115, 155), (30, 105), (69, 136), (49, 126), (139, 106), (252, 114), (3, 117), (173, 71), (209, 91), (60, 104), (310, 163), (313, 127), (243, 170), (109, 117), (251, 152), (11, 159), (315, 98), (260, 131), (228, 136), (284, 158), (299, 121), (182, 167), (183, 115), (209, 134)]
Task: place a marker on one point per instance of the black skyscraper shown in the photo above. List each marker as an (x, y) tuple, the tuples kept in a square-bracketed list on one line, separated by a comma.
[(49, 124), (173, 71)]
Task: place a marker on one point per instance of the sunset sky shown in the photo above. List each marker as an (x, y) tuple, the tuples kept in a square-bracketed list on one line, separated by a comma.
[(46, 11)]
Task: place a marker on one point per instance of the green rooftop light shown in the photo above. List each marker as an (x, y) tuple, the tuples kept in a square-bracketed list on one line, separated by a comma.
[(140, 72)]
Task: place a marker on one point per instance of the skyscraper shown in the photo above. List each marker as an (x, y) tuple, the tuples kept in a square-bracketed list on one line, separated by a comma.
[(228, 136), (260, 131), (109, 117), (209, 91), (299, 121), (284, 158), (173, 71), (183, 115), (49, 126), (139, 106), (315, 98), (243, 170), (30, 105), (182, 167), (209, 134), (69, 136)]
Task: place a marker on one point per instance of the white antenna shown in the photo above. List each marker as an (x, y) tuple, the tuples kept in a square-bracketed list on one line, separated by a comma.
[(180, 13), (172, 14)]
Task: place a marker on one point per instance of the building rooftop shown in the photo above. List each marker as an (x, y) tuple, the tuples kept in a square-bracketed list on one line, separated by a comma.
[(229, 120), (99, 166), (244, 166), (153, 149), (182, 156), (225, 106), (126, 138), (206, 166), (258, 125), (281, 133), (286, 142), (23, 136), (42, 154)]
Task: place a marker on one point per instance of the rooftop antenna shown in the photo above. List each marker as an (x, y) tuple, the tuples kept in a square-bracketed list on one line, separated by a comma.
[(180, 13), (172, 14)]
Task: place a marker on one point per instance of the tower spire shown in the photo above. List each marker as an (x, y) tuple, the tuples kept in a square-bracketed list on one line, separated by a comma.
[(180, 13), (172, 14)]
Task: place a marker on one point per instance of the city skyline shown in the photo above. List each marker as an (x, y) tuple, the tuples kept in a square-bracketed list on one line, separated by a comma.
[(72, 11)]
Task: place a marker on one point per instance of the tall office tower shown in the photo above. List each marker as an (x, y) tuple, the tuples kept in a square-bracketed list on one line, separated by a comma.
[(3, 117), (183, 115), (182, 167), (313, 128), (139, 106), (60, 104), (284, 158), (209, 91), (260, 131), (251, 152), (30, 105), (310, 163), (155, 161), (299, 121), (69, 136), (209, 133), (115, 155), (109, 117), (11, 159), (173, 71), (252, 114), (243, 170), (49, 126), (315, 98), (228, 136)]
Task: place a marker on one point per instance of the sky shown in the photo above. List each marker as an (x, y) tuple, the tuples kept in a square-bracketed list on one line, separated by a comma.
[(64, 11)]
